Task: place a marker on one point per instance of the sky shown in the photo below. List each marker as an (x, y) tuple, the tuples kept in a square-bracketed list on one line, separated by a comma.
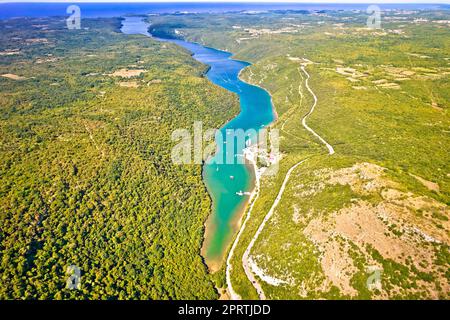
[(290, 1)]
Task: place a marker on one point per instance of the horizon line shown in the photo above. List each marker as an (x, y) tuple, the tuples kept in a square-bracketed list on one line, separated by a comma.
[(402, 2)]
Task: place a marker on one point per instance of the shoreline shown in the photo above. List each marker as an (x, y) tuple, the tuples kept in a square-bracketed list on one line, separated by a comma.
[(275, 112), (215, 265), (247, 213), (236, 222), (239, 219)]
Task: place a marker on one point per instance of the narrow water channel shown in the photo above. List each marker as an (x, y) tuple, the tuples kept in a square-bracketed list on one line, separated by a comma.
[(226, 183)]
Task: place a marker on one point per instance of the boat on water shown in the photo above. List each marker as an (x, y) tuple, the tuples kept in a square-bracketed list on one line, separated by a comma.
[(240, 193)]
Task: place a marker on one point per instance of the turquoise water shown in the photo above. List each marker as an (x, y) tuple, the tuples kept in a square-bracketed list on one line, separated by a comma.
[(223, 181)]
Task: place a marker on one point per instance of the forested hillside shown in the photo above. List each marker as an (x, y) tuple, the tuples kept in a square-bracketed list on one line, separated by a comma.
[(86, 176)]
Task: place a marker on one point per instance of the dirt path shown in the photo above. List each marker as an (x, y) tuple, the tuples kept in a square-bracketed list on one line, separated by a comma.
[(233, 294), (300, 93), (330, 148), (245, 258)]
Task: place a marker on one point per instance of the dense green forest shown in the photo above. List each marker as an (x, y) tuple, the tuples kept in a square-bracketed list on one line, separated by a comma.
[(86, 177)]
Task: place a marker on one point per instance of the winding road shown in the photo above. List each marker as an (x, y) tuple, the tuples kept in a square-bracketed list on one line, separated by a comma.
[(254, 197), (330, 148), (245, 258)]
